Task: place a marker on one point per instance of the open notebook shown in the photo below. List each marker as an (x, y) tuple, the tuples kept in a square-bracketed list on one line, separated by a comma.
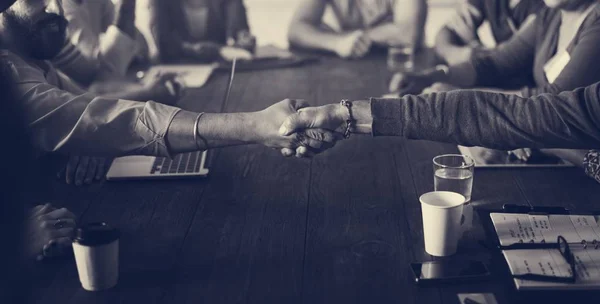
[(582, 232)]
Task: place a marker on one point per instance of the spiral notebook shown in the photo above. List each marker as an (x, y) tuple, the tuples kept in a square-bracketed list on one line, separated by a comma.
[(582, 232)]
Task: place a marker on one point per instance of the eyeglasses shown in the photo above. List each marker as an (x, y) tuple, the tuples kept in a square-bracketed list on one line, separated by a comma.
[(562, 245)]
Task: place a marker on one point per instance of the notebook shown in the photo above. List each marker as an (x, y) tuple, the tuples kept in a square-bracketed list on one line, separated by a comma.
[(582, 232)]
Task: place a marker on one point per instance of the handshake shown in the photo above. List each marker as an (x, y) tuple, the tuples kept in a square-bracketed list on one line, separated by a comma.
[(296, 129)]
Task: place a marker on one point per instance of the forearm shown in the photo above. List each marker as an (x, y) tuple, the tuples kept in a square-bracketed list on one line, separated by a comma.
[(306, 35), (491, 120), (138, 94), (214, 131), (575, 157)]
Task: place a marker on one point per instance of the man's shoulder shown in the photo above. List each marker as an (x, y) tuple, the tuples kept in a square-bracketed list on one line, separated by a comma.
[(23, 70)]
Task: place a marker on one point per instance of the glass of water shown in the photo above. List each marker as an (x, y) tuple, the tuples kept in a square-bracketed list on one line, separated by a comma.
[(401, 59), (454, 172)]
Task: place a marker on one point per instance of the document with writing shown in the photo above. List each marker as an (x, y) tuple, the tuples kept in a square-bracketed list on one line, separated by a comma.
[(582, 232)]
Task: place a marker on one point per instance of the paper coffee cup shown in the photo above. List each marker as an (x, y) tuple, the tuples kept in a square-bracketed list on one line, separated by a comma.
[(96, 248), (442, 212)]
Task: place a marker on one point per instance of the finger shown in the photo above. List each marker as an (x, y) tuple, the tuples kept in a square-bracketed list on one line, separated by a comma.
[(303, 152), (62, 213), (101, 169), (63, 223), (63, 232), (40, 209), (286, 152), (323, 135), (91, 171), (81, 171), (395, 82), (298, 104), (57, 247), (71, 168), (296, 122)]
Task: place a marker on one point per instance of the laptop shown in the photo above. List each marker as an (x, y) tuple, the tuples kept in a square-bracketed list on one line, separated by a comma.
[(192, 164)]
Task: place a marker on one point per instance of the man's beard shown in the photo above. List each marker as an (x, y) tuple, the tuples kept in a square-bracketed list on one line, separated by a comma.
[(42, 40)]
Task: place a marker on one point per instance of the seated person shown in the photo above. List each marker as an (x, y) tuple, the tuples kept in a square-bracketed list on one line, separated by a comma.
[(558, 49), (201, 30), (396, 23), (102, 40), (569, 120), (459, 37), (46, 230), (66, 119)]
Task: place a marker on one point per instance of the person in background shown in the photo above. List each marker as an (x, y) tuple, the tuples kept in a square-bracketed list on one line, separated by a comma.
[(102, 40), (558, 49), (459, 38), (201, 30), (363, 23)]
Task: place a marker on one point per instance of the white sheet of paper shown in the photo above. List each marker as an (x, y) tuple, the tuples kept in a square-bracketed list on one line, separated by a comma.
[(562, 225), (540, 225), (586, 226), (513, 228), (190, 76)]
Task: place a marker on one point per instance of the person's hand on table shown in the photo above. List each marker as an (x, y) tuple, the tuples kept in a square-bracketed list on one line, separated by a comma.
[(303, 143), (245, 40), (439, 87), (488, 156), (231, 52), (522, 154), (163, 88), (49, 232), (83, 170), (411, 82), (353, 45)]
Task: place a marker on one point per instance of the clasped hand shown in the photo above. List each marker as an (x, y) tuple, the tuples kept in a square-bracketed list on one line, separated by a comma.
[(299, 130)]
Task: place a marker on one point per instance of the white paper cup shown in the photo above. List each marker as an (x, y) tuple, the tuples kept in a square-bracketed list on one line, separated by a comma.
[(442, 212), (96, 249)]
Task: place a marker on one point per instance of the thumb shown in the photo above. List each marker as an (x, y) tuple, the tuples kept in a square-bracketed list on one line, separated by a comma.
[(294, 123)]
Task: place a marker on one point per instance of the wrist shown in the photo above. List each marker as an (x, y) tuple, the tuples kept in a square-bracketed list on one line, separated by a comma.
[(361, 114)]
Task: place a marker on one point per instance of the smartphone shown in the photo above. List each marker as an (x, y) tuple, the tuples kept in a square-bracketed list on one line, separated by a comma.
[(449, 271)]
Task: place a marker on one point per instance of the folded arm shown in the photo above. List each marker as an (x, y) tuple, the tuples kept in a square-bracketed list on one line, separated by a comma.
[(406, 28), (306, 28)]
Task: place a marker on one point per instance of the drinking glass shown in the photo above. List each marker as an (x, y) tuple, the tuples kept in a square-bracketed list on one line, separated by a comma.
[(454, 173), (401, 59)]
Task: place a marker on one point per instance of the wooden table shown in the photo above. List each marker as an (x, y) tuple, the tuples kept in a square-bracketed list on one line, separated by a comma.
[(341, 228)]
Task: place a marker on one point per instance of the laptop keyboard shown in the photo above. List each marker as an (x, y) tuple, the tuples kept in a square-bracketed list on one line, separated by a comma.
[(182, 163)]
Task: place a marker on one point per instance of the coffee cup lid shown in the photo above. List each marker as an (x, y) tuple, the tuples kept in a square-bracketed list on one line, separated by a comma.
[(96, 234)]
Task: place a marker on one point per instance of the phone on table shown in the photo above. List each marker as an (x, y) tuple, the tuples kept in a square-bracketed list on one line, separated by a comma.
[(449, 271)]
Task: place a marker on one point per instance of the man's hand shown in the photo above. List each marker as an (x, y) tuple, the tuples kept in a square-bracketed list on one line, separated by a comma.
[(354, 45), (163, 88), (306, 141), (331, 118), (229, 53), (411, 83), (83, 170), (522, 154), (49, 232)]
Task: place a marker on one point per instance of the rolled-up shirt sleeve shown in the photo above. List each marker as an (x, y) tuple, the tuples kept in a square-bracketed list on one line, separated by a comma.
[(81, 123), (568, 120)]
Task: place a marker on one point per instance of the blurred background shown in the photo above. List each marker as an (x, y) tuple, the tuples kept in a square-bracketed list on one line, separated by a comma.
[(263, 14)]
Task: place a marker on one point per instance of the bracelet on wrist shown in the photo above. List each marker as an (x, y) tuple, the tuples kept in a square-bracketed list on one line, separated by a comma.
[(350, 122)]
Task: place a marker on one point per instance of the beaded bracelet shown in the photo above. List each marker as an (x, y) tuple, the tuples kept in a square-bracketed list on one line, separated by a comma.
[(350, 121)]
